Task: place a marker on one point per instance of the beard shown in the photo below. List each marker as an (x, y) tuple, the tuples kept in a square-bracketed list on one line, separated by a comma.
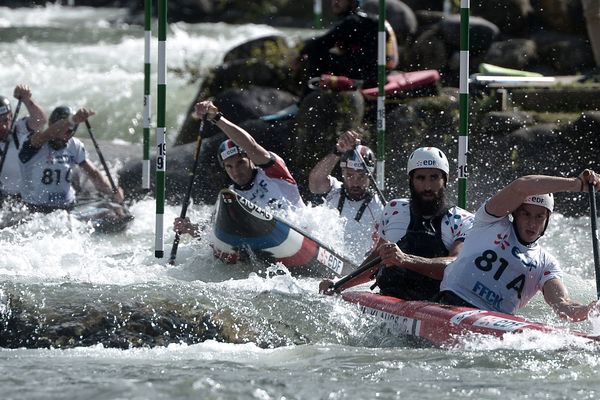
[(57, 144), (428, 207), (355, 193)]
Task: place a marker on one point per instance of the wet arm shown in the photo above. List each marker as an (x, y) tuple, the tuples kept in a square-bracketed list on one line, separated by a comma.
[(99, 180), (258, 154), (557, 296), (318, 179), (37, 117), (54, 131), (430, 267), (510, 197)]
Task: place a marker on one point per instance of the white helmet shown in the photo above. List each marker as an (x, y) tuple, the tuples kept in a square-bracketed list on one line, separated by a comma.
[(428, 157), (543, 200)]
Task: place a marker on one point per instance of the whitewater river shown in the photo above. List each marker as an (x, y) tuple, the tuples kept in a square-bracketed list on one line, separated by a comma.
[(89, 316)]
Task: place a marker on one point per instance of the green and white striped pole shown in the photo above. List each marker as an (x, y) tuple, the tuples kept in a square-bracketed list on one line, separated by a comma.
[(381, 78), (161, 131), (147, 98), (318, 12), (463, 139)]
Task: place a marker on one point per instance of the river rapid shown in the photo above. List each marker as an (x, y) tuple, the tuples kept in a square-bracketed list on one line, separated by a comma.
[(86, 315)]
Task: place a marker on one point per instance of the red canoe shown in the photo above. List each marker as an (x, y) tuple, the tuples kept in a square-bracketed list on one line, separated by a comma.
[(444, 325), (402, 82)]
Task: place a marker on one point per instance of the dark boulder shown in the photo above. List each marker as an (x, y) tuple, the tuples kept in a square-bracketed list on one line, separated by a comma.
[(564, 16), (511, 16), (238, 105), (513, 53), (400, 16), (482, 33)]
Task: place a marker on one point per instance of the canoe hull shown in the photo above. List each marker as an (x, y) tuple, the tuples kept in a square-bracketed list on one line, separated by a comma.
[(240, 225), (442, 324)]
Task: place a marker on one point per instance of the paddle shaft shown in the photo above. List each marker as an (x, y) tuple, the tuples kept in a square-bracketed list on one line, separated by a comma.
[(593, 220), (318, 242), (356, 273), (188, 194), (362, 160), (101, 157), (12, 128)]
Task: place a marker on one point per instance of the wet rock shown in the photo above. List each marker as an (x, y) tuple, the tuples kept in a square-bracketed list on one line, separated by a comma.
[(429, 50), (561, 15), (265, 48), (322, 116), (511, 16), (583, 140), (400, 16), (556, 99), (482, 33), (505, 122), (513, 53), (566, 54), (238, 105)]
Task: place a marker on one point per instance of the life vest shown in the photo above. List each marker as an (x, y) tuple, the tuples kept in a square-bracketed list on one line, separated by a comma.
[(363, 206), (423, 238)]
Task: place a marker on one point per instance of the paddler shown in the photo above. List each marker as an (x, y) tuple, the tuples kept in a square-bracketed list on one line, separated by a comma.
[(349, 48), (257, 174), (47, 161), (502, 265), (11, 142), (419, 236), (358, 205)]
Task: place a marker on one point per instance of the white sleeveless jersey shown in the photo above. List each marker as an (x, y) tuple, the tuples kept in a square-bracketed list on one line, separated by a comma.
[(358, 235), (47, 175), (11, 170), (456, 223), (273, 187), (494, 271)]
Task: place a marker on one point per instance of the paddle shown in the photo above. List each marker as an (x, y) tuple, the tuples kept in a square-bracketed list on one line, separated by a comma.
[(356, 273), (101, 157), (188, 195), (593, 219), (317, 241), (12, 128), (362, 160)]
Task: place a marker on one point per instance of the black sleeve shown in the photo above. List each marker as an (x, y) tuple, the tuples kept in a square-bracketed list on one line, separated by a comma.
[(27, 151), (268, 163), (338, 33)]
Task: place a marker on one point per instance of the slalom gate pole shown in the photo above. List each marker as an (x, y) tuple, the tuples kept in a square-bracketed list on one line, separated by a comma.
[(381, 79), (161, 131), (147, 98), (463, 138), (318, 14)]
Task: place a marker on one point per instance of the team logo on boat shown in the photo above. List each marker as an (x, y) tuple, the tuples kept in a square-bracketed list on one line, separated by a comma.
[(254, 209), (499, 323), (330, 261), (395, 323), (458, 318)]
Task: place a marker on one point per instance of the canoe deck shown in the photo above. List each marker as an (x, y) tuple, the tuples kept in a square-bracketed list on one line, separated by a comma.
[(442, 324)]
